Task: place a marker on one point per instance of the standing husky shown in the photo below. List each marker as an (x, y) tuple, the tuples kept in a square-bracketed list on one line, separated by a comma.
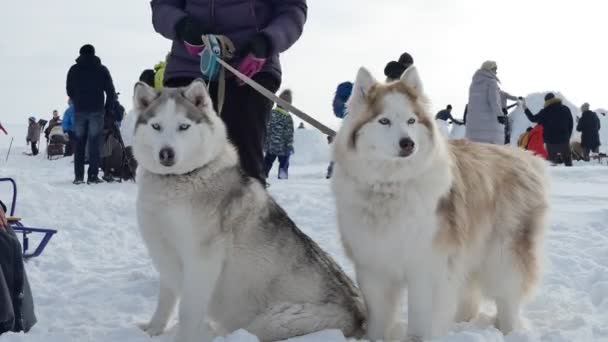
[(219, 240), (453, 221)]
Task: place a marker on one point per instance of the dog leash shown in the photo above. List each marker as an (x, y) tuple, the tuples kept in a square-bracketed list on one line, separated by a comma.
[(227, 51)]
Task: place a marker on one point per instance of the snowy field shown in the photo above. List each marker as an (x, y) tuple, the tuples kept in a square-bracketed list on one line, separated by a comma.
[(95, 281)]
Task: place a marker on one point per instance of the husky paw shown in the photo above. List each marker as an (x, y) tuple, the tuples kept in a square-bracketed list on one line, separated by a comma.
[(151, 329)]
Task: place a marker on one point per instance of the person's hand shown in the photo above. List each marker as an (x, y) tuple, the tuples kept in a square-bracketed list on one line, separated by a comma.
[(502, 119), (257, 51), (522, 103), (190, 31), (3, 220)]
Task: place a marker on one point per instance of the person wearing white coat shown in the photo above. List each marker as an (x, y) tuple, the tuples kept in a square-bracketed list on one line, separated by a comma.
[(485, 118)]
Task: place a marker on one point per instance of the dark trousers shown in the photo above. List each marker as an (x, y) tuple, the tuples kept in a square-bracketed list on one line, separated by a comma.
[(269, 160), (245, 114), (71, 145), (88, 129), (560, 153), (34, 145)]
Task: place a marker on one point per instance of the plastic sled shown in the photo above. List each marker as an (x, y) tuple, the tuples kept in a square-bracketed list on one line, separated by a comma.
[(19, 228)]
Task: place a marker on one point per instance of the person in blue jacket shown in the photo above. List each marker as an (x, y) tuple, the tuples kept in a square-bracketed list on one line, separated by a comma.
[(67, 124), (339, 106)]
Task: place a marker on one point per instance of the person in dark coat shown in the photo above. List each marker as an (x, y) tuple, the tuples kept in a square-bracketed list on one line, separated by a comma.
[(55, 121), (33, 135), (394, 69), (558, 124), (16, 301), (259, 31), (589, 126), (446, 115), (87, 82)]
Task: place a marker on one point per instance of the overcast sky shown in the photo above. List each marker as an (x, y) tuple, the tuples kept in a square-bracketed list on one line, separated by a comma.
[(538, 44)]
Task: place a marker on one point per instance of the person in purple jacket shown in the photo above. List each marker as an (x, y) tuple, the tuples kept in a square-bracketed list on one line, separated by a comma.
[(260, 30)]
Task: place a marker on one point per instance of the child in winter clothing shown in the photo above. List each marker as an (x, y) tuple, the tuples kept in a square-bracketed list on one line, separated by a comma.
[(279, 142), (33, 135), (536, 142)]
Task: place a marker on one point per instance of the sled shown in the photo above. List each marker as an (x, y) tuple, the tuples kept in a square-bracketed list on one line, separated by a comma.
[(25, 232)]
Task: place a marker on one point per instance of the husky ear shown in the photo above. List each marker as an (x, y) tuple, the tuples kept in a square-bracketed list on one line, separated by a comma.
[(364, 82), (143, 95), (411, 78), (196, 93)]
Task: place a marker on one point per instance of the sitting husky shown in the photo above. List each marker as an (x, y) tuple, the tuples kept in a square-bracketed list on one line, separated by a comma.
[(454, 221), (218, 240)]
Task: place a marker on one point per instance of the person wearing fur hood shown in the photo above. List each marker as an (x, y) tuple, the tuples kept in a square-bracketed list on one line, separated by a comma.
[(485, 118), (558, 124)]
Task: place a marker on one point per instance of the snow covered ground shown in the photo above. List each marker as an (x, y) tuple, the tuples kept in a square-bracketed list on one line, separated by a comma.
[(94, 282)]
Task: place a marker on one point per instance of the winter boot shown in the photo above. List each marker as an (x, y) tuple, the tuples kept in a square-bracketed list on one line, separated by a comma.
[(94, 180), (283, 174)]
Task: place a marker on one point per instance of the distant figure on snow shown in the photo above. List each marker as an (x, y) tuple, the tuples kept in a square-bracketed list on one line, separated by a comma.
[(589, 126), (301, 126), (67, 124), (341, 96), (33, 135), (504, 98), (444, 118), (87, 82), (484, 112), (557, 123), (55, 121), (279, 140)]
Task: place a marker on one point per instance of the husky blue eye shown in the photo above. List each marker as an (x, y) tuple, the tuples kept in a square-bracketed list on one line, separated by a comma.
[(411, 121), (384, 121), (184, 127), (156, 127)]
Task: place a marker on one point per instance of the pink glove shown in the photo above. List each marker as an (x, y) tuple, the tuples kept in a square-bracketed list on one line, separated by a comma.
[(250, 66), (194, 50)]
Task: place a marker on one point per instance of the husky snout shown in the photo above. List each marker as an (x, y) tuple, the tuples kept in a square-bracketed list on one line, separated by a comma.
[(407, 146), (166, 156)]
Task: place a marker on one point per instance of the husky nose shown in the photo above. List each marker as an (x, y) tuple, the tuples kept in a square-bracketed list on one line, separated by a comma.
[(167, 156), (407, 146)]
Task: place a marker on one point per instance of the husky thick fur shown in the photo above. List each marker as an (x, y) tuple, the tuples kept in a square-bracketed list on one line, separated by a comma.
[(218, 240), (451, 221)]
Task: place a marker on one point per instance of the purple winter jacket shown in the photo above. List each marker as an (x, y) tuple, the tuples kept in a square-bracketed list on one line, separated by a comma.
[(282, 21)]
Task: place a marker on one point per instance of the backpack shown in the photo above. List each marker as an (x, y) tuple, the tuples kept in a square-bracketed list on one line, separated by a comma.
[(342, 94)]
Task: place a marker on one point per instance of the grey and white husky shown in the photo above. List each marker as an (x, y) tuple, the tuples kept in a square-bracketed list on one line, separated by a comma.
[(218, 240)]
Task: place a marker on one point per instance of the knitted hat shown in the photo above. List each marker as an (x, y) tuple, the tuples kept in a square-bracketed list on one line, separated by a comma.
[(87, 49), (286, 95), (549, 96), (394, 70), (489, 66), (585, 107), (449, 107)]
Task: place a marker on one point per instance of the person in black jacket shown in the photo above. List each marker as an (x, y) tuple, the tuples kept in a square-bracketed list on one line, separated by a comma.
[(589, 126), (87, 82), (558, 124), (16, 301), (446, 114)]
